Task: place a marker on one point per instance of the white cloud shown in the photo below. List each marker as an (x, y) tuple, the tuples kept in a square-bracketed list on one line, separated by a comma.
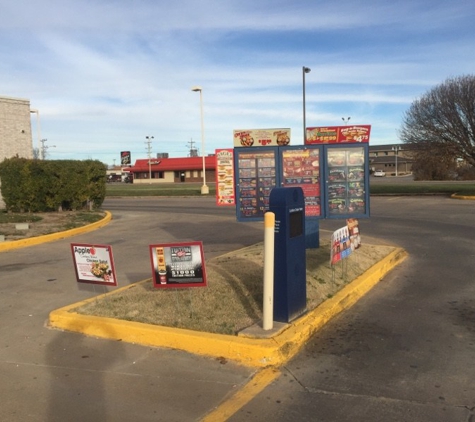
[(106, 73)]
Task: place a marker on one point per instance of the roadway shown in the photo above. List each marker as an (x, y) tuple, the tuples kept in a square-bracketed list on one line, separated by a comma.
[(404, 352)]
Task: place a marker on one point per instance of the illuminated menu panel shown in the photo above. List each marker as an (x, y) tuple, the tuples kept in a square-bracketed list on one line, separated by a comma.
[(301, 168), (256, 177), (346, 181)]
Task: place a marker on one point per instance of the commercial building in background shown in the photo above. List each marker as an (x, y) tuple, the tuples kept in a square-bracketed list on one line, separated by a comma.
[(173, 170), (15, 128), (391, 158)]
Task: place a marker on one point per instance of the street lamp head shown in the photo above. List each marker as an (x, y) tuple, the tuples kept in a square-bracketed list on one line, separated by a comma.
[(306, 69), (197, 89)]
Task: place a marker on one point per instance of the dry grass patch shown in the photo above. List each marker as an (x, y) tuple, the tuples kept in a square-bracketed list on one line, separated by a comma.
[(45, 223), (232, 300)]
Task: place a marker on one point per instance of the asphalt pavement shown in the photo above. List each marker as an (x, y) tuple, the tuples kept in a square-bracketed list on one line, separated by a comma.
[(406, 347), (405, 351)]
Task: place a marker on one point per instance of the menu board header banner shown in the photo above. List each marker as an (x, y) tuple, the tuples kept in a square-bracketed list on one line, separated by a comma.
[(338, 134), (261, 137)]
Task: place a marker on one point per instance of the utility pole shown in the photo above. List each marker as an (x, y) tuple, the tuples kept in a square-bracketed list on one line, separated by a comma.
[(43, 148), (190, 145), (148, 142)]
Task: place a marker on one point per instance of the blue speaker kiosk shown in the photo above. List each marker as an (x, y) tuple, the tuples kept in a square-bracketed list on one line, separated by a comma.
[(290, 290)]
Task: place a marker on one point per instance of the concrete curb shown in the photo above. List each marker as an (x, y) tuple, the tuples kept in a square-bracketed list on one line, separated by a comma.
[(23, 243), (260, 352), (455, 196)]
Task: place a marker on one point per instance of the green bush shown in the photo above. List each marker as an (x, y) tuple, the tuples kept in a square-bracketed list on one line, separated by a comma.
[(53, 185)]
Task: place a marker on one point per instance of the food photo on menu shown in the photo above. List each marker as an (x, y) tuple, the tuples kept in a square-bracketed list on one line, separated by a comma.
[(336, 157)]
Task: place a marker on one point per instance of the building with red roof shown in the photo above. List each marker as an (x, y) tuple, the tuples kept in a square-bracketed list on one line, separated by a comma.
[(173, 170)]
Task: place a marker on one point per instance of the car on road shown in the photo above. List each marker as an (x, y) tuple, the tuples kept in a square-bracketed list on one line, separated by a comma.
[(379, 173)]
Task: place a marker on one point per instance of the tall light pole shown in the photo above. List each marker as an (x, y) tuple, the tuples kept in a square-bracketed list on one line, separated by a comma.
[(149, 153), (345, 121), (304, 71), (396, 148), (204, 188)]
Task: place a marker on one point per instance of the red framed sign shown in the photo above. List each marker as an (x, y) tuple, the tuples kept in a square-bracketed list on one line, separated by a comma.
[(94, 264), (178, 265), (338, 134)]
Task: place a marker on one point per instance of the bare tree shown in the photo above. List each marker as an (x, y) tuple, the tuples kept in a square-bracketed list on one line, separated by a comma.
[(442, 121)]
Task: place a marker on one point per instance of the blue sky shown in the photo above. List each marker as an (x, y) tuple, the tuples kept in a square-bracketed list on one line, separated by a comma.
[(105, 74)]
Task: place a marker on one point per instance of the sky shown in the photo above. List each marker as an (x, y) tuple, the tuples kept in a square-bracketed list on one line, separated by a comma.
[(104, 74)]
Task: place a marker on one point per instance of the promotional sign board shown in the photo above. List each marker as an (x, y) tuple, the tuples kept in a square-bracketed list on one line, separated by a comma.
[(225, 177), (338, 134), (178, 265), (125, 158), (354, 230), (94, 264), (261, 137), (340, 245), (344, 241)]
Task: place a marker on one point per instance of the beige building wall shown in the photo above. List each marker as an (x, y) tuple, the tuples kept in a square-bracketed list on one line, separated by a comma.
[(15, 130)]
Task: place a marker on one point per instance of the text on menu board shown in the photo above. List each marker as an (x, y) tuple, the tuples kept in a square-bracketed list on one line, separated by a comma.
[(301, 168), (346, 187), (338, 134), (225, 177), (94, 264), (256, 179), (261, 137), (178, 265)]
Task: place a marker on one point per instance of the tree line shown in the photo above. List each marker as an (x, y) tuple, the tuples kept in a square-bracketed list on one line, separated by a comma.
[(439, 131), (30, 185)]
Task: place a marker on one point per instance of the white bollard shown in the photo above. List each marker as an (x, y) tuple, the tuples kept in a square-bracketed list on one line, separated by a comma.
[(268, 300)]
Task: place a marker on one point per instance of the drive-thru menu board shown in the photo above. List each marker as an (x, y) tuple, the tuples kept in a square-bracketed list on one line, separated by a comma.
[(256, 177), (225, 177), (346, 181), (301, 168)]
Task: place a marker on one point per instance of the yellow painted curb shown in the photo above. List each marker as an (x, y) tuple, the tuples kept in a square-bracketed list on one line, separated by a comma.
[(455, 196), (272, 351), (23, 243)]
